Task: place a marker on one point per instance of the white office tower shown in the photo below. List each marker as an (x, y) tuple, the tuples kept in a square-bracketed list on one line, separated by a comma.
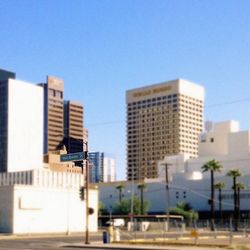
[(21, 128), (109, 173)]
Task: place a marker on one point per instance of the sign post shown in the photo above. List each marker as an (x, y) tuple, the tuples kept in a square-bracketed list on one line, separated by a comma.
[(78, 157)]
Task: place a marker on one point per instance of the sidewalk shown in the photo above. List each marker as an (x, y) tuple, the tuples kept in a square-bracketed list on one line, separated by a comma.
[(188, 243), (144, 247)]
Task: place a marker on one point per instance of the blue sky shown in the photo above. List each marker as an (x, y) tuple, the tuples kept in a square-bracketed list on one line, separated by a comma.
[(102, 48)]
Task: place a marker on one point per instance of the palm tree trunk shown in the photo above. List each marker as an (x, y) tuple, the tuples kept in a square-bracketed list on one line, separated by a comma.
[(212, 200), (220, 205), (142, 201), (238, 204), (120, 195)]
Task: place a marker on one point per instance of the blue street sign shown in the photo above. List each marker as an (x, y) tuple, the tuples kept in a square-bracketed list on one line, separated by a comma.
[(72, 157)]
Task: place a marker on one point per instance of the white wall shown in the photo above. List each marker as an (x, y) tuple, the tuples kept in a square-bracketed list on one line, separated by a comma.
[(27, 209), (109, 169), (239, 143), (216, 142), (25, 126), (194, 192)]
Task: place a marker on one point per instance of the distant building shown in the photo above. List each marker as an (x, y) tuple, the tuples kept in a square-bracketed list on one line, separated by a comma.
[(224, 142), (21, 124), (73, 126), (30, 189), (63, 120), (162, 119), (53, 113), (102, 167)]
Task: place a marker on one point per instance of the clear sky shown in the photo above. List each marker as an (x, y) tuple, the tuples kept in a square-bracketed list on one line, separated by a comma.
[(103, 48)]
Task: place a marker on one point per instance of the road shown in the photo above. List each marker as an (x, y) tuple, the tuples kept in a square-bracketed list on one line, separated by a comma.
[(57, 242), (74, 242)]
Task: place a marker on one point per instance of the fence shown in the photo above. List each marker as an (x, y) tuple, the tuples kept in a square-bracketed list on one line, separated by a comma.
[(191, 231)]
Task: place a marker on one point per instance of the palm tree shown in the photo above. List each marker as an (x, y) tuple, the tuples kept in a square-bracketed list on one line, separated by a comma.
[(220, 185), (212, 166), (239, 186), (120, 187), (142, 187), (234, 173)]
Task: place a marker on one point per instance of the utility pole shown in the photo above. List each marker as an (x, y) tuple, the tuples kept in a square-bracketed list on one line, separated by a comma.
[(87, 194), (167, 193)]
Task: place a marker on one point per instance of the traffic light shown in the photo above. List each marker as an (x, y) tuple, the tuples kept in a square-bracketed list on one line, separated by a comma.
[(81, 193)]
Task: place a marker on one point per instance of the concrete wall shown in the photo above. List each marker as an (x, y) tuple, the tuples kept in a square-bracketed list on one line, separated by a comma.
[(216, 142), (27, 209), (25, 126)]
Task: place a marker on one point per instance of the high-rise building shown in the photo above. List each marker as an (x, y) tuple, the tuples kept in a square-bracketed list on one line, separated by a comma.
[(73, 126), (53, 113), (21, 124), (162, 119), (102, 167)]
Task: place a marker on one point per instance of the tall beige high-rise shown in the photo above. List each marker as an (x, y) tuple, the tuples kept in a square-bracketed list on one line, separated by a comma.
[(162, 119), (53, 112)]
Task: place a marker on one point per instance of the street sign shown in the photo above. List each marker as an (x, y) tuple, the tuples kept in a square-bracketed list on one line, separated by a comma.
[(72, 157)]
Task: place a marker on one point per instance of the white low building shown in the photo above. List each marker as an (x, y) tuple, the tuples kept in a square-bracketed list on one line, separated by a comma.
[(223, 142), (194, 192), (44, 201)]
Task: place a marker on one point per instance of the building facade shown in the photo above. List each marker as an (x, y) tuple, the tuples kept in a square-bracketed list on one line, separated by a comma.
[(21, 124), (162, 119), (73, 126), (53, 113), (102, 167), (44, 201)]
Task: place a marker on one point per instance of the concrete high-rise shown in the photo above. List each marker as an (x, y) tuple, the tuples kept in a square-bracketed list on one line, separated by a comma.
[(53, 113), (21, 124), (162, 119), (73, 126)]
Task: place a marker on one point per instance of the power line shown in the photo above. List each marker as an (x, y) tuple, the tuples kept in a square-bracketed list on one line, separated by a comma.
[(207, 106), (228, 103)]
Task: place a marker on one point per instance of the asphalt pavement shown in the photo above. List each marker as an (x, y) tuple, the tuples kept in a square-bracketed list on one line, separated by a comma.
[(171, 242)]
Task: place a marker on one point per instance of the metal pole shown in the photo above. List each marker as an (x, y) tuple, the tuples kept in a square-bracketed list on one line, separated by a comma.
[(167, 194), (132, 201), (87, 196)]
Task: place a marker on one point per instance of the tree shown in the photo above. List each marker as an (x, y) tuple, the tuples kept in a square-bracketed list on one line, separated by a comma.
[(120, 187), (239, 187), (212, 166), (235, 173), (124, 207), (142, 187), (101, 208), (220, 185), (184, 209)]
